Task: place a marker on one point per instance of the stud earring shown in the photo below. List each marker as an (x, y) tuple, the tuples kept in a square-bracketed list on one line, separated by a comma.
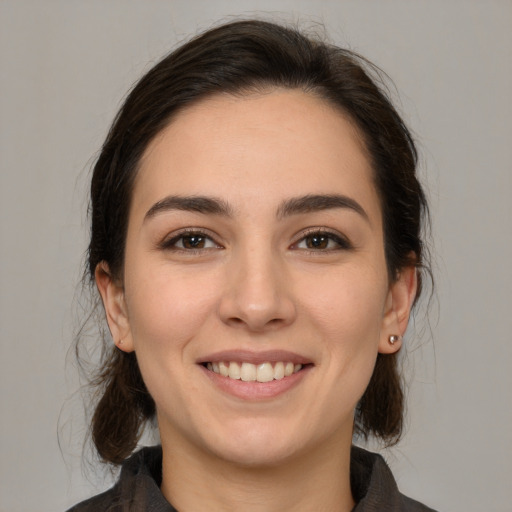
[(394, 338)]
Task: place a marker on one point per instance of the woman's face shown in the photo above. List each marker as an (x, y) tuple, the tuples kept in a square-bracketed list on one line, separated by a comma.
[(255, 249)]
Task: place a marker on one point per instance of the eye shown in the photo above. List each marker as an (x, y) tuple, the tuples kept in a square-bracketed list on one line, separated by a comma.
[(319, 240), (190, 241)]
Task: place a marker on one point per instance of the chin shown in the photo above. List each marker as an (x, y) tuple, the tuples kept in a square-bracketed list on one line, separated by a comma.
[(256, 455), (256, 446)]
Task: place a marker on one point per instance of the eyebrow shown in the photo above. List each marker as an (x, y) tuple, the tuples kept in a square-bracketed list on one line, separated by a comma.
[(198, 204), (319, 202), (293, 206)]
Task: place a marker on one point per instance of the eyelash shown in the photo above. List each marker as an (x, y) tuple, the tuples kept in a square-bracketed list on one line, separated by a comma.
[(170, 244), (342, 243)]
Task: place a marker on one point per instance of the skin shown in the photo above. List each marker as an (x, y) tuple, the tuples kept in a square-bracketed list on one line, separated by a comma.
[(254, 284)]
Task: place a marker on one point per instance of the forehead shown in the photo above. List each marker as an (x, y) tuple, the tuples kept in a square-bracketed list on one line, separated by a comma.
[(256, 147)]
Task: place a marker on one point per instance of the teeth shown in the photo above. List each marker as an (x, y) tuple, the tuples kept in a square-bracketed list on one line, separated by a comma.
[(265, 372), (248, 372), (279, 371), (224, 369), (234, 371)]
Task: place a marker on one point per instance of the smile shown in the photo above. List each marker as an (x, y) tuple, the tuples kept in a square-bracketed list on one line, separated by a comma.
[(249, 372)]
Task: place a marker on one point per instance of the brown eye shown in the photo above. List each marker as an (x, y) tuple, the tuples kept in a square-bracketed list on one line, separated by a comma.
[(322, 241), (318, 241), (193, 242), (189, 241)]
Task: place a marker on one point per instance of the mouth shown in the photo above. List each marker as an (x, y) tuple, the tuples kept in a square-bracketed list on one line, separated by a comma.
[(253, 375), (250, 372)]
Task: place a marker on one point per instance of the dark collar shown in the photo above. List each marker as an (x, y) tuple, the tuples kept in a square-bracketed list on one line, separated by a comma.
[(138, 488)]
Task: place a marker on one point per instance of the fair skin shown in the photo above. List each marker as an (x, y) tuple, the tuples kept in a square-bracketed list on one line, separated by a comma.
[(279, 258)]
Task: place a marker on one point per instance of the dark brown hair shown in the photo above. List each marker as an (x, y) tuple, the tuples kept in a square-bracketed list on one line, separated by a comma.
[(236, 58)]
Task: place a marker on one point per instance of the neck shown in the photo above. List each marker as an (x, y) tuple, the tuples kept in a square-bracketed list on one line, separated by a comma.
[(316, 480)]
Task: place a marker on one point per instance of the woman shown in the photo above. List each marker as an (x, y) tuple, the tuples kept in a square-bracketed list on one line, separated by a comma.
[(256, 241)]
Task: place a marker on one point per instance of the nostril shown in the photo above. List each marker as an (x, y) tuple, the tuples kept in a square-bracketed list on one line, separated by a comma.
[(235, 321), (256, 325)]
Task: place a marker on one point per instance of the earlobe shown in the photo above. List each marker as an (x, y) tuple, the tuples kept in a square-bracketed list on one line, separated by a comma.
[(401, 295), (112, 295)]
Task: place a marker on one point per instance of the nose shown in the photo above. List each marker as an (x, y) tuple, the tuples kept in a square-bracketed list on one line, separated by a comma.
[(258, 295)]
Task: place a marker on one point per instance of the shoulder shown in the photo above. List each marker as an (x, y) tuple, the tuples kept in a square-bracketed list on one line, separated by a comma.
[(374, 487), (105, 502), (138, 487), (410, 505)]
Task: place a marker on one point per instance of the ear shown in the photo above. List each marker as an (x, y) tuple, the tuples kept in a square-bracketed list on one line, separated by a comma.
[(399, 302), (112, 295)]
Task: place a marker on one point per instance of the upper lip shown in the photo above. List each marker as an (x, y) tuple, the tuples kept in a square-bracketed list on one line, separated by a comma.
[(248, 356)]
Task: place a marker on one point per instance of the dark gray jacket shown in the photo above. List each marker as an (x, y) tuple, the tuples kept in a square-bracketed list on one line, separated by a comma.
[(138, 488)]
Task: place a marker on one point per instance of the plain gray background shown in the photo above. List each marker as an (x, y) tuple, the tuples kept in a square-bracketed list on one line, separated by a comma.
[(66, 65)]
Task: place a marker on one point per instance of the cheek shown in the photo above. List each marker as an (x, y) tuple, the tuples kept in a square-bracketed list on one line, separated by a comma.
[(347, 303), (347, 313), (166, 312), (165, 309)]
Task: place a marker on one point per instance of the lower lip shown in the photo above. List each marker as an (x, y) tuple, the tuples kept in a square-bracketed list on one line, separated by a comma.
[(256, 390)]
